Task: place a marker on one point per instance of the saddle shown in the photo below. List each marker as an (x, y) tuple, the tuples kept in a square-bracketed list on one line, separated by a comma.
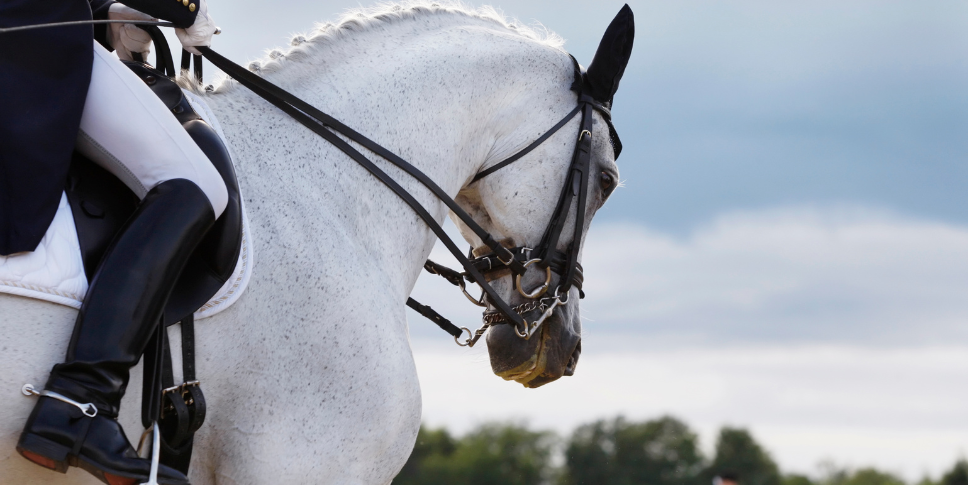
[(101, 204)]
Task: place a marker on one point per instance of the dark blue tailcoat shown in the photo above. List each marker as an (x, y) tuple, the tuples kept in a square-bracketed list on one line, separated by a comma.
[(44, 76)]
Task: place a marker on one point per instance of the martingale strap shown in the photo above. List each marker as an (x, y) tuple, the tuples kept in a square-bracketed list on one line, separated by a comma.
[(321, 123)]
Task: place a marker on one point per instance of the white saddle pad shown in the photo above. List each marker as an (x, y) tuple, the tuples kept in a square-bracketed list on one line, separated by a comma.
[(54, 271)]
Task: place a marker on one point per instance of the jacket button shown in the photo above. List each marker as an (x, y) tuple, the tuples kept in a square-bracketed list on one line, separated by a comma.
[(185, 2), (178, 110), (150, 80), (191, 7)]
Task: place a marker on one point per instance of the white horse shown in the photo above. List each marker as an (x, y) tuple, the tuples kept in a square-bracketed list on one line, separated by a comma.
[(309, 377)]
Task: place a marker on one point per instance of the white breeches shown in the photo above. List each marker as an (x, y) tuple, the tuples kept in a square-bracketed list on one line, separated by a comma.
[(129, 132)]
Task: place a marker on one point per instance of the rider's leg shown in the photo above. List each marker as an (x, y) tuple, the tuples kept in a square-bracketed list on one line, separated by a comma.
[(129, 131)]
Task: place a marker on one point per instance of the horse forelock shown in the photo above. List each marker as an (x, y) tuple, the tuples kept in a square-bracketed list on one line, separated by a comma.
[(364, 19)]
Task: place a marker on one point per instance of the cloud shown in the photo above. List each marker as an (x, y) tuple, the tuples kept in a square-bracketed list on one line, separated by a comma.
[(800, 274), (898, 409), (794, 275)]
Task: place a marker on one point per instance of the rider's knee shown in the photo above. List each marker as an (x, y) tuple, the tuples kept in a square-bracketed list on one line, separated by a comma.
[(213, 186)]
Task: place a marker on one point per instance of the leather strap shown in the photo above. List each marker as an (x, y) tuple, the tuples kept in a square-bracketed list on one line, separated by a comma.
[(186, 64), (433, 316), (489, 263), (188, 348), (517, 156), (318, 122), (163, 59), (278, 96)]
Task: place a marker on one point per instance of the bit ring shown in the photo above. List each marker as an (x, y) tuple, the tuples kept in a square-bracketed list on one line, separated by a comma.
[(537, 292), (467, 342)]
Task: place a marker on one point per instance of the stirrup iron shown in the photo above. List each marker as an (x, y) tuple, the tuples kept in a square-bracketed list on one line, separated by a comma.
[(155, 451)]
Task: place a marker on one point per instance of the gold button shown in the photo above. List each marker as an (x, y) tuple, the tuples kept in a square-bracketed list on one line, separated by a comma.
[(191, 7), (185, 2)]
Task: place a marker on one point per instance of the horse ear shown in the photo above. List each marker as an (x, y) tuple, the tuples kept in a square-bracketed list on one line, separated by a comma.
[(608, 66)]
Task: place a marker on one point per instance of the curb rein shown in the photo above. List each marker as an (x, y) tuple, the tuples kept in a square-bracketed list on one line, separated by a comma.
[(500, 258)]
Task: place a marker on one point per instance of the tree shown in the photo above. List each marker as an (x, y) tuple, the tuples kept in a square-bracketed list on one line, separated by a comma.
[(738, 452), (958, 475), (870, 476), (796, 479), (435, 446), (491, 454), (835, 475), (658, 452), (502, 454)]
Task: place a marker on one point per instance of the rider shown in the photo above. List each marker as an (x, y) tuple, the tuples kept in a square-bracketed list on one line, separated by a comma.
[(61, 90)]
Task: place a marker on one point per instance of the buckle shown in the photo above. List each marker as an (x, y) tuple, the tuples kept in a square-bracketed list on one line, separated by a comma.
[(181, 390)]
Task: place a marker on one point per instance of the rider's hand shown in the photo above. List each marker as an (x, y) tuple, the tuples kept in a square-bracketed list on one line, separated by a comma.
[(126, 38), (200, 33)]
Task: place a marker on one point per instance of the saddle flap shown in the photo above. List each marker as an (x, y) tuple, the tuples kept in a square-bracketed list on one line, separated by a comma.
[(101, 204)]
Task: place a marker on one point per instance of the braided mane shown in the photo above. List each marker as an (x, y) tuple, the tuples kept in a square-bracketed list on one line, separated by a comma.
[(355, 20)]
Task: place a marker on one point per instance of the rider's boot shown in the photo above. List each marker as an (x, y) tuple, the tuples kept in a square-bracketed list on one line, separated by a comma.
[(119, 315)]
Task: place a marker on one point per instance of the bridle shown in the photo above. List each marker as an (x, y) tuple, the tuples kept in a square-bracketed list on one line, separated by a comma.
[(516, 260), (546, 254), (500, 258)]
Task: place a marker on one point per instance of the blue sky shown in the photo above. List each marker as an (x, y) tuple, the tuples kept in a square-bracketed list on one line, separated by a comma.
[(758, 104), (790, 250), (748, 105)]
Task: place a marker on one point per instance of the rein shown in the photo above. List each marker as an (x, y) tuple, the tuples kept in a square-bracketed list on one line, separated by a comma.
[(516, 259)]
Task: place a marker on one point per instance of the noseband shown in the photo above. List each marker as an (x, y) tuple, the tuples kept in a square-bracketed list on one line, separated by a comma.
[(516, 260)]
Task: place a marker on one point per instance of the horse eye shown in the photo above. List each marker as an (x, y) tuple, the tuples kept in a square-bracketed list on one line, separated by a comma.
[(607, 183)]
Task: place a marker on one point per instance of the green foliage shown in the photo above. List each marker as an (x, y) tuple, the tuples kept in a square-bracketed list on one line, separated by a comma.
[(958, 475), (870, 476), (863, 476), (738, 452), (491, 454), (658, 452), (431, 446), (795, 479), (663, 451)]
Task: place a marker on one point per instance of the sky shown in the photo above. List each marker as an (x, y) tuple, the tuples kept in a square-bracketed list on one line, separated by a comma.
[(789, 252)]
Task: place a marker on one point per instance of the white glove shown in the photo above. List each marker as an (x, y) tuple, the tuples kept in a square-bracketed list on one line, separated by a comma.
[(126, 38), (200, 33)]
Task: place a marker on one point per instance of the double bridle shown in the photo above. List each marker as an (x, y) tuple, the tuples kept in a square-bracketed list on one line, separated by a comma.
[(500, 258), (517, 260)]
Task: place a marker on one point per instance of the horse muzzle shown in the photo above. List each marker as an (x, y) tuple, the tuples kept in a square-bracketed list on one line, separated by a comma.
[(552, 352)]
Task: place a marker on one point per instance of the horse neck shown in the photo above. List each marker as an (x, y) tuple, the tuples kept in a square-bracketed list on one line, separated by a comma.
[(445, 98)]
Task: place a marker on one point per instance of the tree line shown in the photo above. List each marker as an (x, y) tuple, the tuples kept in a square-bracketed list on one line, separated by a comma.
[(662, 451)]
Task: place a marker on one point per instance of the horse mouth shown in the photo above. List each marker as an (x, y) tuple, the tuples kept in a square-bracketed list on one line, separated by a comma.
[(543, 364), (573, 360)]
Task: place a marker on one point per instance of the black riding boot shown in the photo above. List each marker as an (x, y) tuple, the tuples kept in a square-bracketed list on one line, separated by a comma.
[(119, 315)]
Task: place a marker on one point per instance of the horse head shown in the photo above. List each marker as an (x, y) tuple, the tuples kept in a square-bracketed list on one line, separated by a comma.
[(516, 204)]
